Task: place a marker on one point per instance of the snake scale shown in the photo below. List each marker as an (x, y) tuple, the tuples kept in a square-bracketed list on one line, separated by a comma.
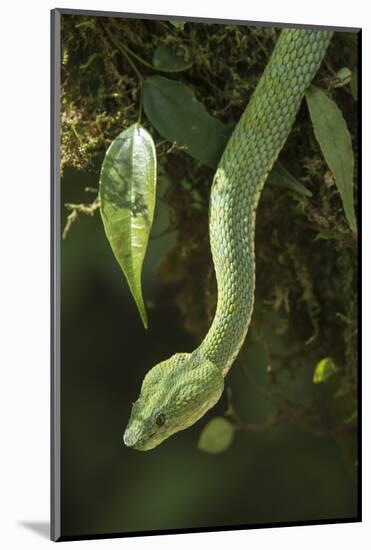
[(178, 392)]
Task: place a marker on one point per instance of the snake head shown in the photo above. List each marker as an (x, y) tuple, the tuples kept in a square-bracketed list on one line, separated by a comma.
[(174, 395)]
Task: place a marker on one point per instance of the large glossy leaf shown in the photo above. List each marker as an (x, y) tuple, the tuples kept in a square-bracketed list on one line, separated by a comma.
[(179, 117), (216, 436), (334, 139), (127, 201), (166, 58)]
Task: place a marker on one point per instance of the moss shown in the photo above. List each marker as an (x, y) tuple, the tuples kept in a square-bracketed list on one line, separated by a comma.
[(305, 253)]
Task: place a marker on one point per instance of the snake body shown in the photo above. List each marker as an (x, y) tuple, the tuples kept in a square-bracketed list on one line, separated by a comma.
[(177, 392)]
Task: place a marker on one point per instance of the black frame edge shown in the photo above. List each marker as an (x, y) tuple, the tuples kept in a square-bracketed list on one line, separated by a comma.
[(214, 529), (194, 19), (359, 272), (55, 447)]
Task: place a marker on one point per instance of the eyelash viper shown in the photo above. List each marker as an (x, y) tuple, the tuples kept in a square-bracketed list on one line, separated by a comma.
[(177, 392)]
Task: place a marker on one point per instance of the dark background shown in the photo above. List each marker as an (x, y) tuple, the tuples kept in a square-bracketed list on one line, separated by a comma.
[(282, 474)]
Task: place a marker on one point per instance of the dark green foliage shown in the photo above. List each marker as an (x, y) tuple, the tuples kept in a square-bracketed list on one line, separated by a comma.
[(167, 59), (176, 114)]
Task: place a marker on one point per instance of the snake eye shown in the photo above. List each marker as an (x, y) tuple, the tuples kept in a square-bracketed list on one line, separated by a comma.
[(160, 419)]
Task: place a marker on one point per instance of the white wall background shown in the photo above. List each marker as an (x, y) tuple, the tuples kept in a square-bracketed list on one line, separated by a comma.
[(24, 268)]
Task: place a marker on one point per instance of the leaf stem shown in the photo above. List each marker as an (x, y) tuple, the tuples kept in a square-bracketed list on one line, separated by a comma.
[(132, 65), (140, 102), (123, 49), (127, 53), (135, 55)]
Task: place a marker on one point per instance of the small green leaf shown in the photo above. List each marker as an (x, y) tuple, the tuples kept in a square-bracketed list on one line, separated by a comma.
[(179, 117), (324, 369), (343, 77), (127, 201), (334, 139), (280, 177), (216, 436), (354, 84), (177, 24), (166, 58)]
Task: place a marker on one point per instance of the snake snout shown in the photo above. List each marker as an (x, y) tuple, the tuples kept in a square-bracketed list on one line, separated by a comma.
[(128, 438), (136, 435), (132, 436)]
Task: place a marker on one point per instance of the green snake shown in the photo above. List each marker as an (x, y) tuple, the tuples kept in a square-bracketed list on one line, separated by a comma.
[(177, 392)]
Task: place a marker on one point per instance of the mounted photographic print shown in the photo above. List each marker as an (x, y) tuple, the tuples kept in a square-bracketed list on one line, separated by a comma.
[(205, 307)]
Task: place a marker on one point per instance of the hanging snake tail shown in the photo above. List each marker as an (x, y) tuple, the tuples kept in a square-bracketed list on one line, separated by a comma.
[(177, 392)]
